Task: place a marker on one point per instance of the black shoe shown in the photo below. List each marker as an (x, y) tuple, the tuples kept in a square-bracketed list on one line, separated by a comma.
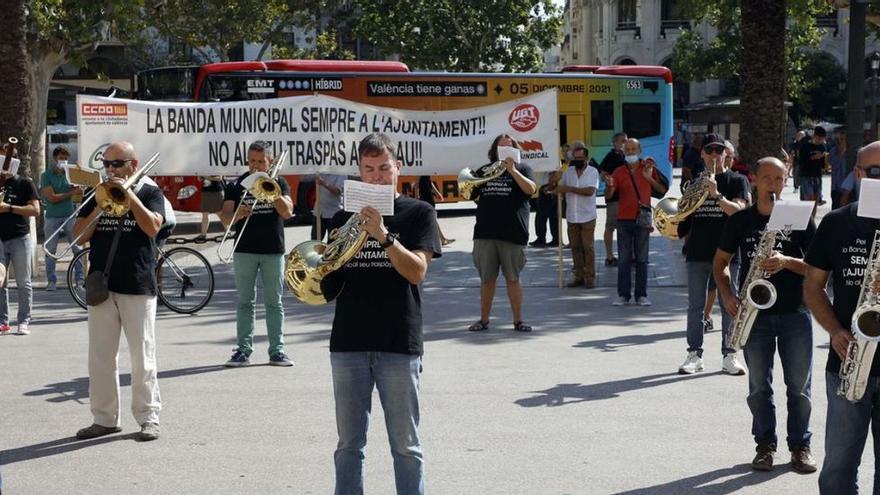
[(95, 431), (538, 243), (802, 460), (763, 460), (553, 243)]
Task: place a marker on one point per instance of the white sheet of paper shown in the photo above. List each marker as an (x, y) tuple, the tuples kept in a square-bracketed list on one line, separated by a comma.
[(794, 215), (359, 194), (248, 181), (869, 198), (509, 151), (13, 164)]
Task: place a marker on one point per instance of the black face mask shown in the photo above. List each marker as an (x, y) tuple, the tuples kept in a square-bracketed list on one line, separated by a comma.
[(578, 164)]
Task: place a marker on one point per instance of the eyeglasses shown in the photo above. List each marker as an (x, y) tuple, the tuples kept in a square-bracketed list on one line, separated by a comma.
[(115, 163), (716, 149)]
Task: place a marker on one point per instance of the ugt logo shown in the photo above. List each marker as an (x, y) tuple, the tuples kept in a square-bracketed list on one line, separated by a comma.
[(524, 117)]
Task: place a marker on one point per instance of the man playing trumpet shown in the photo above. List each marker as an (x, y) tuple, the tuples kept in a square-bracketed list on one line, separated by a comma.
[(786, 324)]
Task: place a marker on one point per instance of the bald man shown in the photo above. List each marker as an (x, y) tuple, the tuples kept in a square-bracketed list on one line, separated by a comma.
[(844, 241), (786, 324), (127, 242)]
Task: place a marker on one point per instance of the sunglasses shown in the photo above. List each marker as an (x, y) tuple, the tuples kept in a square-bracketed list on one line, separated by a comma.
[(872, 171), (716, 149), (114, 163)]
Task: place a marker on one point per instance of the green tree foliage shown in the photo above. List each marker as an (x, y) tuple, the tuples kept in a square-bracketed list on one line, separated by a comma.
[(326, 48), (696, 59), (478, 35)]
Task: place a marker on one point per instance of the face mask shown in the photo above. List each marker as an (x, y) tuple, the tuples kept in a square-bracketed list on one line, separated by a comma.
[(632, 159), (578, 164)]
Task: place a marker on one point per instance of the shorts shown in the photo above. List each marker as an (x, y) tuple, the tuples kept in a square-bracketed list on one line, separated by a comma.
[(611, 215), (212, 201), (811, 187), (491, 254)]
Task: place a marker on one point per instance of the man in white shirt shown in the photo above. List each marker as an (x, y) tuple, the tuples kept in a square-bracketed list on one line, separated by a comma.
[(579, 184)]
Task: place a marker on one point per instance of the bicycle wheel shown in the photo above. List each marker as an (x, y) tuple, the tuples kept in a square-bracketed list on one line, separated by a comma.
[(77, 291), (184, 279)]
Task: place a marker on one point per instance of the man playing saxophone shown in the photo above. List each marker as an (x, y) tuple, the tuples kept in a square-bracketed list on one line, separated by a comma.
[(786, 323), (846, 243), (728, 193), (376, 340)]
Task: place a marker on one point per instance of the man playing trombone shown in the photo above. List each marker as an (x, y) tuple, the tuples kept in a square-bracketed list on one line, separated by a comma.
[(130, 304), (786, 323), (259, 249)]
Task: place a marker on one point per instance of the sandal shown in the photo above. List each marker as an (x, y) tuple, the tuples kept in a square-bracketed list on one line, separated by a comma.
[(479, 326), (611, 261), (521, 327)]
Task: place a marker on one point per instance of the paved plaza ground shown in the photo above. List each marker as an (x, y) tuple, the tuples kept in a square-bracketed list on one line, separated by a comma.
[(589, 403)]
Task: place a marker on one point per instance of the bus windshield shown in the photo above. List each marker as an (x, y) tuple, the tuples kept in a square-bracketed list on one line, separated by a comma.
[(167, 84)]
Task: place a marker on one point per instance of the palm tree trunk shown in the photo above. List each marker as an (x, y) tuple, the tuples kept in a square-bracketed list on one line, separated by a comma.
[(762, 106), (14, 103)]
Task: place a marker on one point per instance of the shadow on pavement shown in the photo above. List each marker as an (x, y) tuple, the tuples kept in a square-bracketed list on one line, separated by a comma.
[(738, 477), (55, 447), (78, 388), (615, 343), (572, 393)]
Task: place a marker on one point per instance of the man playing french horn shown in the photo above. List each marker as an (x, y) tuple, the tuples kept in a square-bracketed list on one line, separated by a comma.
[(728, 193), (844, 248), (786, 323), (130, 302), (376, 341)]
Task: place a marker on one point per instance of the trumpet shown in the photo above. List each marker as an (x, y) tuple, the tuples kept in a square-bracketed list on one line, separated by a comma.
[(264, 189), (112, 200)]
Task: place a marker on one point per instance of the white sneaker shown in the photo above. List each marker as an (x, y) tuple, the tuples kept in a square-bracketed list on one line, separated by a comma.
[(50, 286), (643, 301), (693, 363), (620, 301), (731, 366), (23, 329)]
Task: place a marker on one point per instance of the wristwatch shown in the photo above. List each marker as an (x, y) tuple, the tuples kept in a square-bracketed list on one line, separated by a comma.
[(389, 240)]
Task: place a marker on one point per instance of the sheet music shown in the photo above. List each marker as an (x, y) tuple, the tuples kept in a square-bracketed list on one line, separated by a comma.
[(869, 198), (359, 194), (509, 151), (13, 164), (790, 215)]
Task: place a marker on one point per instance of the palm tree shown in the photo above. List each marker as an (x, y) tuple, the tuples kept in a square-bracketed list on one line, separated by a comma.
[(14, 113)]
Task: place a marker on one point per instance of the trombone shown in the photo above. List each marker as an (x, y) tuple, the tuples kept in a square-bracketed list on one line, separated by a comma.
[(264, 189), (85, 178), (110, 197)]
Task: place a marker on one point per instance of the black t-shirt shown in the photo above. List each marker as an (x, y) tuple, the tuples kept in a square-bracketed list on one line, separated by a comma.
[(612, 160), (134, 264), (706, 224), (741, 234), (18, 192), (503, 209), (843, 243), (809, 166), (378, 310), (265, 231)]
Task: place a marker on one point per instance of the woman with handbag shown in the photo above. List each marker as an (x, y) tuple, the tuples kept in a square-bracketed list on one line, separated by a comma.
[(633, 185)]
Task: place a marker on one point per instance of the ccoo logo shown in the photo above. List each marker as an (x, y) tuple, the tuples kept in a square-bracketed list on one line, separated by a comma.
[(524, 117)]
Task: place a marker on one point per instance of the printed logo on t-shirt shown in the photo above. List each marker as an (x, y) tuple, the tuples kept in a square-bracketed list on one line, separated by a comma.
[(855, 256), (501, 186), (371, 256), (110, 224), (709, 209)]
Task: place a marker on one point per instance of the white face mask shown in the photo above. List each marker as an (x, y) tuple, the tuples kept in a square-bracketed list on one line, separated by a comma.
[(632, 159)]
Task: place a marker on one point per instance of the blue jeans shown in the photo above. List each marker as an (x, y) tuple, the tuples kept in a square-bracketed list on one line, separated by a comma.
[(270, 266), (50, 225), (700, 281), (18, 252), (632, 245), (793, 332), (811, 188), (396, 376), (846, 430)]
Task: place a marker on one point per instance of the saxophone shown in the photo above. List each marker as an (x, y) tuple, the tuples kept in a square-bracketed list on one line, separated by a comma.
[(757, 292), (865, 326)]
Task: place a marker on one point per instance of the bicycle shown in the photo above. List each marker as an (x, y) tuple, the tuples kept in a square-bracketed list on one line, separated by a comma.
[(184, 279)]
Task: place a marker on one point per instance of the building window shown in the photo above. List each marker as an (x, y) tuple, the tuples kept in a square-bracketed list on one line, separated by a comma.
[(641, 120), (672, 15), (626, 14)]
